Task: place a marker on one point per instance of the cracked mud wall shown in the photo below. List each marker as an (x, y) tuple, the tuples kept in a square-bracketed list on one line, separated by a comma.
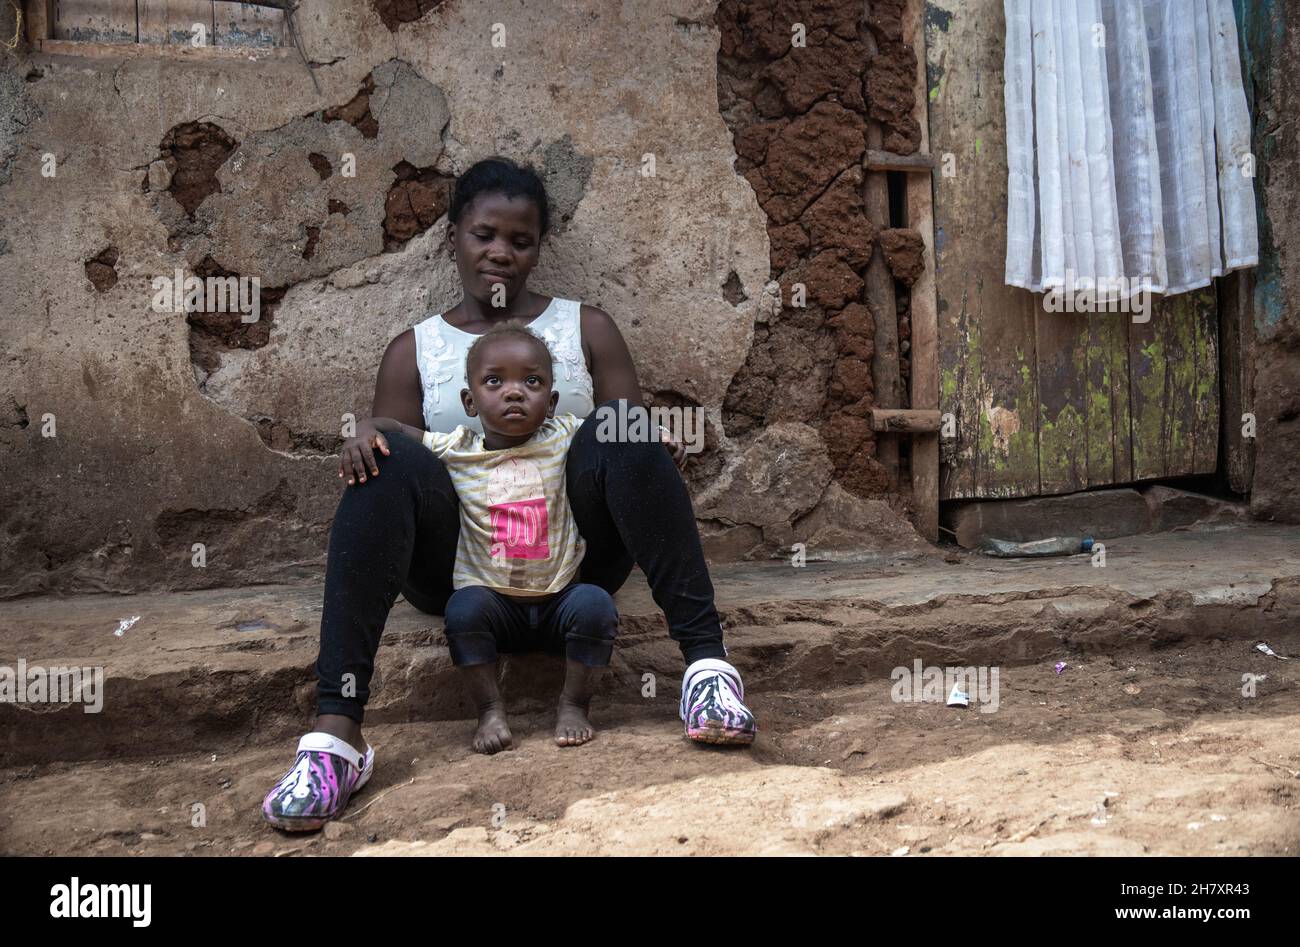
[(1271, 31), (799, 116), (172, 429)]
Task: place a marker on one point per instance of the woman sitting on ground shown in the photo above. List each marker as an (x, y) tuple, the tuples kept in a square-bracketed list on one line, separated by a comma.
[(397, 524)]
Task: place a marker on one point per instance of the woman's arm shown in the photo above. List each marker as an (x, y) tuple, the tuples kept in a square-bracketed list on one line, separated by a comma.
[(398, 394), (612, 373), (398, 399)]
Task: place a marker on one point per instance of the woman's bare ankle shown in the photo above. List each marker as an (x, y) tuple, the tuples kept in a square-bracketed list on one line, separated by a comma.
[(345, 728)]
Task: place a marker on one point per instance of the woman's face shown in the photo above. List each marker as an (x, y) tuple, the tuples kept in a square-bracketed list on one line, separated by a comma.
[(496, 241)]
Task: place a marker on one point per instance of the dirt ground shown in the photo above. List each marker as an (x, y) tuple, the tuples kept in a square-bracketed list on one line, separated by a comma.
[(1138, 752)]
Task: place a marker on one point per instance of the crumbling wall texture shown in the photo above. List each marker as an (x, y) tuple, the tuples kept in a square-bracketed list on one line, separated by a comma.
[(134, 435), (798, 84), (1272, 31)]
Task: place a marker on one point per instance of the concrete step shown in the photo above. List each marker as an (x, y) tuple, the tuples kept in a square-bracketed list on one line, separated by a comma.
[(186, 674)]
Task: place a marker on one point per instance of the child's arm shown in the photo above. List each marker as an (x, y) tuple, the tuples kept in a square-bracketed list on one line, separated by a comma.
[(438, 443), (390, 425)]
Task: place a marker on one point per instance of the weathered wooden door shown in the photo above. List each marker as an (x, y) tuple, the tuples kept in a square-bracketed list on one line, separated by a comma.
[(1044, 402)]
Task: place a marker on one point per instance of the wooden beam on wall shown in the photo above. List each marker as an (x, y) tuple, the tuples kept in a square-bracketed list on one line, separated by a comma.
[(1236, 332), (888, 161), (95, 21), (40, 20), (925, 303), (905, 420), (885, 376)]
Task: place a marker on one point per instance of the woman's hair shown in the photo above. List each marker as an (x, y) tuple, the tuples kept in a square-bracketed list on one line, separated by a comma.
[(500, 175), (511, 328)]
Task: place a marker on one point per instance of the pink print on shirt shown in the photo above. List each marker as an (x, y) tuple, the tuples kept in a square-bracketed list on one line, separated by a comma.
[(519, 529), (517, 506)]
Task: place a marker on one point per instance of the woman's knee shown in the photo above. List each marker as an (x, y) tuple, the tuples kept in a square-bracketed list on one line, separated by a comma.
[(408, 467), (405, 453), (618, 430)]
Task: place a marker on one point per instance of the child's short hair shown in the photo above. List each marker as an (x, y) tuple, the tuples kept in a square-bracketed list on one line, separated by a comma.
[(509, 328)]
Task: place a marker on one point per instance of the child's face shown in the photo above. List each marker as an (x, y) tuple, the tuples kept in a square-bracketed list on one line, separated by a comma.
[(510, 388)]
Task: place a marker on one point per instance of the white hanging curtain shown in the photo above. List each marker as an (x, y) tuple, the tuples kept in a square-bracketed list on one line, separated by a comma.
[(1128, 145)]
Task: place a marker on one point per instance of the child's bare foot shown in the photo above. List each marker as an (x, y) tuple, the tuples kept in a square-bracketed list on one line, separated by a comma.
[(572, 728), (493, 733)]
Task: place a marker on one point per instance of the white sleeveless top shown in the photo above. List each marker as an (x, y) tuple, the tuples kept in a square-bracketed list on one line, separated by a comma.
[(440, 355)]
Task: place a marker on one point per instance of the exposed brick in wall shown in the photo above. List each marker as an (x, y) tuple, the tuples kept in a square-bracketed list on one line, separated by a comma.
[(192, 152), (357, 111), (214, 332), (396, 12), (418, 197), (101, 269)]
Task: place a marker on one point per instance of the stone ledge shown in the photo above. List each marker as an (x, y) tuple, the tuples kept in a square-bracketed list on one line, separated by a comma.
[(184, 673)]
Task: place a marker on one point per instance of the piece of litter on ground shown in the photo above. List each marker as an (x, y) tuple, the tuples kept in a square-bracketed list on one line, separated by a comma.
[(1218, 818), (257, 624), (900, 851), (1270, 652), (1195, 826), (1061, 666), (1110, 793), (958, 697), (124, 623)]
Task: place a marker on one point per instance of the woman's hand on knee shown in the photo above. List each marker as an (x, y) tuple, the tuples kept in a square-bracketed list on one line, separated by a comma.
[(357, 458)]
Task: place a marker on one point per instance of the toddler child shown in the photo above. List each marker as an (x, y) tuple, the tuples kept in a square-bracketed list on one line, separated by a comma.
[(519, 551)]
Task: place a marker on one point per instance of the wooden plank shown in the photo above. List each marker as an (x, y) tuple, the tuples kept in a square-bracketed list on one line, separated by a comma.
[(905, 420), (1061, 353), (879, 286), (879, 281), (888, 161), (1236, 322), (95, 21), (171, 22), (243, 24), (924, 351), (1172, 383), (986, 331), (40, 21), (1110, 445), (1206, 393), (59, 47)]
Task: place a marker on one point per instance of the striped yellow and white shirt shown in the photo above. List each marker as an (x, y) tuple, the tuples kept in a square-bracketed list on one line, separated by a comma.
[(517, 533)]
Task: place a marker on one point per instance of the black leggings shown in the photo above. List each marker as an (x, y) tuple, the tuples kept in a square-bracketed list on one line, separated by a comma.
[(397, 533)]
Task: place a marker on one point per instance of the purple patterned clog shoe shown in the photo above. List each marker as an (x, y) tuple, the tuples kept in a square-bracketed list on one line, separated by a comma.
[(713, 704), (324, 777)]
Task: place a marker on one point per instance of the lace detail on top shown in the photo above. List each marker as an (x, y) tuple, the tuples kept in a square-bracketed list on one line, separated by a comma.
[(438, 359), (564, 336)]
